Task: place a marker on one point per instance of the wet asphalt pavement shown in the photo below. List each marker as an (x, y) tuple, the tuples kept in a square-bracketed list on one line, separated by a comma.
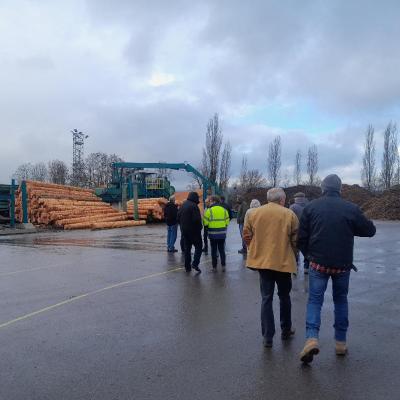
[(111, 315)]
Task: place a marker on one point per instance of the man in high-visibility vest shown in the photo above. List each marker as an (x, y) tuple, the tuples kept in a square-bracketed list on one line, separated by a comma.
[(216, 219)]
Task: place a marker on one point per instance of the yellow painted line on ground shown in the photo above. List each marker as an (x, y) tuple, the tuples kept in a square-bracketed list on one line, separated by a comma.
[(82, 296)]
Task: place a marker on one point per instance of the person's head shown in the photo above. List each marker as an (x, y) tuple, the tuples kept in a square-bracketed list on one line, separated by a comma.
[(208, 201), (172, 199), (299, 197), (332, 183), (215, 199), (222, 199), (239, 199), (193, 196), (276, 195), (255, 203)]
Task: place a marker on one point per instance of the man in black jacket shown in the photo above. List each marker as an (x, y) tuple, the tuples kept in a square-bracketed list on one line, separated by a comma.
[(190, 222), (171, 219), (226, 206), (326, 238)]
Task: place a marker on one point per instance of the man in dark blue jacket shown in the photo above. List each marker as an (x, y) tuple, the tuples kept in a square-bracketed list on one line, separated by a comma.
[(189, 218), (171, 219), (326, 238)]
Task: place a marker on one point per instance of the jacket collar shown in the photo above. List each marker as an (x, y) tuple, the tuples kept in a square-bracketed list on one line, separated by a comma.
[(331, 193)]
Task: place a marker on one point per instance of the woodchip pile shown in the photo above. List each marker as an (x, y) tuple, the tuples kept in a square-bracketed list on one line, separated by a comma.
[(385, 206), (69, 207)]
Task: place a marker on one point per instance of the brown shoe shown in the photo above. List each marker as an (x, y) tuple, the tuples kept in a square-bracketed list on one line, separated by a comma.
[(310, 350), (341, 348)]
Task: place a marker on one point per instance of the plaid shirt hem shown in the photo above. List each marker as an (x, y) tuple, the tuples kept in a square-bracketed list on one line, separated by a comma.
[(327, 270)]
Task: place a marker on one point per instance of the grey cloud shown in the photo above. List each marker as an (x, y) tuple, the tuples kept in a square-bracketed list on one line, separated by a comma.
[(339, 56)]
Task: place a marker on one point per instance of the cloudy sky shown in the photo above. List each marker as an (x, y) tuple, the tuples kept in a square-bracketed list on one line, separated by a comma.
[(142, 78)]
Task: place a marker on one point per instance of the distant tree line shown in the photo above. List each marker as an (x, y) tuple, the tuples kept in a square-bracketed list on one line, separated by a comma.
[(389, 174), (216, 163), (97, 171)]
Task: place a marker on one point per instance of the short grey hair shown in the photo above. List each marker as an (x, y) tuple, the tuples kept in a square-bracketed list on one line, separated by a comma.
[(275, 195)]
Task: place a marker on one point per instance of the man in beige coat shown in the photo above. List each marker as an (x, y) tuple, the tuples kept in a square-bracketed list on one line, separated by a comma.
[(270, 233)]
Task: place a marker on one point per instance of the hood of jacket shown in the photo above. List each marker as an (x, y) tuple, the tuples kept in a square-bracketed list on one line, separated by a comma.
[(194, 197)]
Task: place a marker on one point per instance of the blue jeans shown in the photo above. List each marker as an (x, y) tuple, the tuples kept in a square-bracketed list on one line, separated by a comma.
[(171, 236), (318, 283), (244, 247)]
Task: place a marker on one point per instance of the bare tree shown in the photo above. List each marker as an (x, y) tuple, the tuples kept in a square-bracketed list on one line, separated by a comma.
[(312, 164), (164, 172), (297, 168), (243, 173), (250, 179), (390, 155), (225, 167), (368, 172), (23, 172), (286, 179), (212, 150), (111, 159), (98, 168), (398, 170), (255, 179), (274, 161), (39, 172), (58, 172)]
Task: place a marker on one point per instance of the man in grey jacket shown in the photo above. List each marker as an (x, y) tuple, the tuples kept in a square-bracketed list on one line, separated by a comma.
[(300, 201)]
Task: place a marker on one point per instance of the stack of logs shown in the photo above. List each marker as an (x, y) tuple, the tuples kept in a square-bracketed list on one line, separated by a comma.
[(69, 207), (149, 209)]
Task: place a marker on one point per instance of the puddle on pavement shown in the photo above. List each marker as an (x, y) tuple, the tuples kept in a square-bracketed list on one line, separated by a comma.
[(117, 242)]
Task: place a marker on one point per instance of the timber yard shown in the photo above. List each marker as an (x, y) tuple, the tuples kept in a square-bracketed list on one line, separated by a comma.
[(97, 310)]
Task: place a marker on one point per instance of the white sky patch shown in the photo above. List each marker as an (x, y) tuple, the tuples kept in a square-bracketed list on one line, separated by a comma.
[(161, 79)]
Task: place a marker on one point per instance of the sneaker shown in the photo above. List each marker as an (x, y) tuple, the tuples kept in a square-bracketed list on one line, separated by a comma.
[(196, 269), (287, 334), (242, 251), (267, 342), (341, 348), (310, 350)]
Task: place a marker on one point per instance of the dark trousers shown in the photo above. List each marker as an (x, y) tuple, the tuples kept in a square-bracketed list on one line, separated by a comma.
[(217, 245), (190, 241), (283, 280), (205, 239), (182, 241)]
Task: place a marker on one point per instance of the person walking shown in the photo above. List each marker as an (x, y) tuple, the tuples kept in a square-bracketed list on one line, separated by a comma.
[(171, 219), (216, 220), (226, 206), (243, 207), (326, 238), (270, 233), (190, 222), (253, 204), (300, 201), (207, 203)]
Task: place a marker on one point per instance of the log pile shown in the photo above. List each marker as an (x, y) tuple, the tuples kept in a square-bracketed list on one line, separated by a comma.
[(149, 209), (68, 207)]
